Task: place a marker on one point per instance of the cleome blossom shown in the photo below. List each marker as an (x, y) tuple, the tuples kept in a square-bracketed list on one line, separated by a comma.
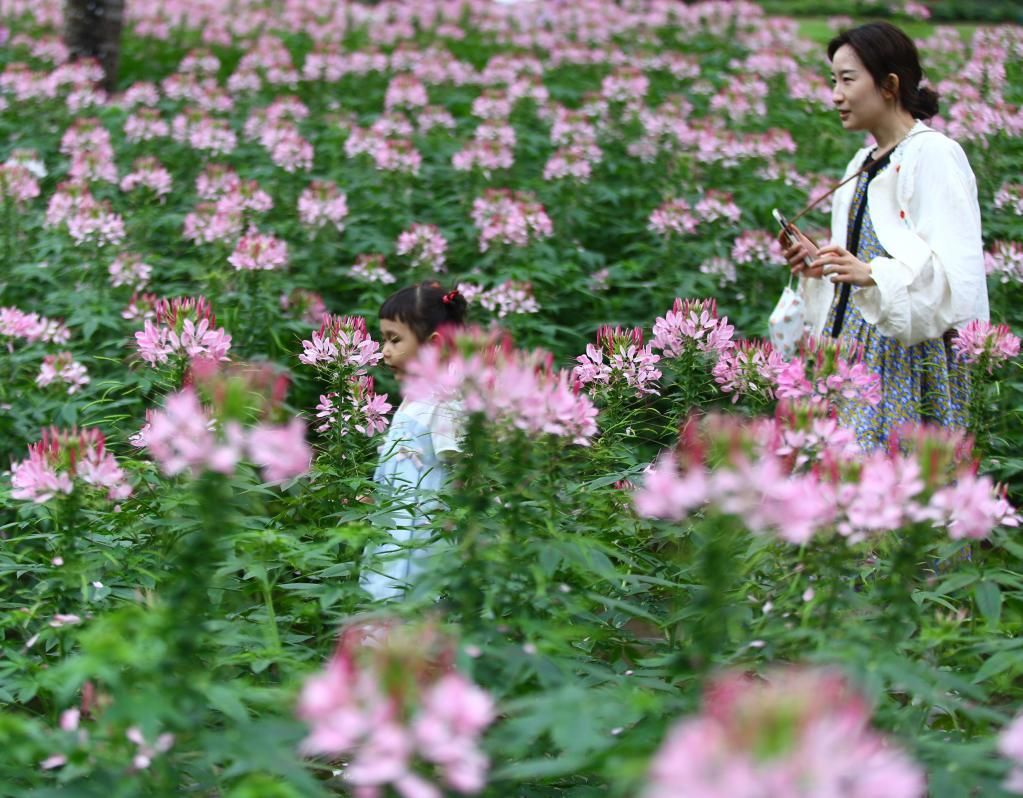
[(985, 345), (828, 370), (66, 460), (391, 705), (182, 328), (629, 362), (341, 342), (795, 733), (691, 326), (512, 389)]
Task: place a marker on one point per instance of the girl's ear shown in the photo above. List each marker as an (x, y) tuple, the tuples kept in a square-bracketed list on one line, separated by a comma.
[(433, 337)]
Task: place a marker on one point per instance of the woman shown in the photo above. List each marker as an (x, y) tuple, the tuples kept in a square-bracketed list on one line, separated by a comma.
[(912, 268)]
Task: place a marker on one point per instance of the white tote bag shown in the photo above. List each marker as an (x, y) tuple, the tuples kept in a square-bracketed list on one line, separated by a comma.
[(786, 322)]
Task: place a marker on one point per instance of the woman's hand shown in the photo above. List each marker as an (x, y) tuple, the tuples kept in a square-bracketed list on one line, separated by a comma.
[(842, 266), (797, 253)]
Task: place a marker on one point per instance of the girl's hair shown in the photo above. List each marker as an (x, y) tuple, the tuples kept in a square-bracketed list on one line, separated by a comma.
[(885, 50), (425, 308)]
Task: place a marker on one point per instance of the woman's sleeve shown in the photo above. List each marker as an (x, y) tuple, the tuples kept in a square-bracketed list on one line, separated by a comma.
[(938, 279)]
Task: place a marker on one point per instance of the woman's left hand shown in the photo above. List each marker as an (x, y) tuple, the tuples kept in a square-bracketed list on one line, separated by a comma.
[(842, 266)]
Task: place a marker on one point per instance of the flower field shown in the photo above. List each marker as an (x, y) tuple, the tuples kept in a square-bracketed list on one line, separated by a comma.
[(661, 568)]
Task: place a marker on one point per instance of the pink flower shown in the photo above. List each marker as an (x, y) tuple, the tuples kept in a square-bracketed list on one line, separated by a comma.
[(320, 204), (668, 494), (259, 252), (799, 733), (61, 459), (281, 451), (424, 245), (513, 390), (986, 345), (371, 269), (509, 217), (629, 362), (342, 342), (750, 367), (692, 326), (148, 173), (17, 184), (971, 507), (673, 217), (384, 706), (128, 269), (180, 438), (65, 368)]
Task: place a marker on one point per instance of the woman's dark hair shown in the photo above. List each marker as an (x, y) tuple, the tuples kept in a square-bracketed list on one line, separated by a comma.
[(425, 308), (885, 50)]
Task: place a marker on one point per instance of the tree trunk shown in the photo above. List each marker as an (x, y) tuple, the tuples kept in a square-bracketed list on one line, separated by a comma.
[(92, 29)]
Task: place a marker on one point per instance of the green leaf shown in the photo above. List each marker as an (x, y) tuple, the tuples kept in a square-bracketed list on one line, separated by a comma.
[(989, 601)]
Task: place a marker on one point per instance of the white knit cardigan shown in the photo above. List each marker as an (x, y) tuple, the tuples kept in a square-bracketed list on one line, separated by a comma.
[(924, 210)]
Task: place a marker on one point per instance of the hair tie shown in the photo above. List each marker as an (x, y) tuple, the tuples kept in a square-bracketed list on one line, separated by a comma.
[(448, 298)]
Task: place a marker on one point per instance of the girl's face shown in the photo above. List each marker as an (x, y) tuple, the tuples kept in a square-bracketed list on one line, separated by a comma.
[(860, 102), (400, 345)]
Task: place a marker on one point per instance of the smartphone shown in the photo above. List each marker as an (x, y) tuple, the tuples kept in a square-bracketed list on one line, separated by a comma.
[(785, 225)]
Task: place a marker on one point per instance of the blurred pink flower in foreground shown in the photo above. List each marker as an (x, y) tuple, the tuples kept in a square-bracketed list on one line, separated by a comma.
[(392, 706), (798, 733), (514, 390), (800, 475)]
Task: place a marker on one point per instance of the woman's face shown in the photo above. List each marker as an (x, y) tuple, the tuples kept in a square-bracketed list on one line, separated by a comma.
[(861, 104)]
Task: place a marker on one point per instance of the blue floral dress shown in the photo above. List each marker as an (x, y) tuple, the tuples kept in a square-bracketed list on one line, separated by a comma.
[(922, 382)]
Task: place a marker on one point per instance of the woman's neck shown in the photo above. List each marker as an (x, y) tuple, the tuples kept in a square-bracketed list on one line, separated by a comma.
[(893, 130)]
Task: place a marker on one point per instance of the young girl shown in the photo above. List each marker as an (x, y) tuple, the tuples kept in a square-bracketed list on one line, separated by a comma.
[(423, 436), (906, 263)]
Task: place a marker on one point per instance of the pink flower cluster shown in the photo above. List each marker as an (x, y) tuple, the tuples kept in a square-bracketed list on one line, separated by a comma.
[(673, 217), (512, 218), (232, 199), (750, 367), (17, 184), (801, 475), (757, 246), (1010, 195), (392, 714), (504, 299), (257, 251), (31, 327), (424, 245), (1005, 258), (203, 133), (371, 268), (148, 173), (184, 437), (986, 345), (828, 370), (342, 343), (360, 408), (305, 305), (574, 162), (322, 203), (86, 219), (62, 367), (145, 124), (629, 362), (184, 328), (88, 145), (63, 459), (128, 269), (692, 325), (514, 390), (795, 733)]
